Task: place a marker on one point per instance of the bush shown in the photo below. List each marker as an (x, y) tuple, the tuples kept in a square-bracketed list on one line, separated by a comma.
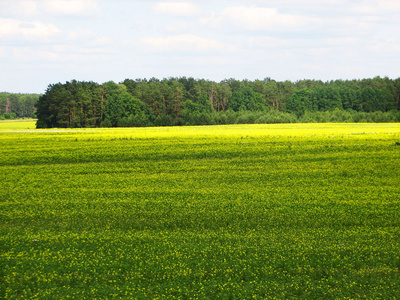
[(231, 117), (383, 117), (9, 116), (243, 118), (141, 120), (221, 118), (275, 116), (164, 120), (106, 123)]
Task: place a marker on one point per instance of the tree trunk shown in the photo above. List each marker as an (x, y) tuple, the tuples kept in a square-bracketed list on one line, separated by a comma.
[(212, 95), (8, 106)]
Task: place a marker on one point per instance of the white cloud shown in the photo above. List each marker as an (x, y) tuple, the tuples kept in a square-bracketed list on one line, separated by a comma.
[(58, 54), (378, 7), (268, 42), (15, 29), (65, 51), (42, 41), (86, 37), (80, 35), (259, 18), (341, 41), (29, 8), (390, 4), (71, 7), (388, 47), (177, 9), (263, 18), (101, 41), (177, 27), (184, 42), (30, 54), (19, 8)]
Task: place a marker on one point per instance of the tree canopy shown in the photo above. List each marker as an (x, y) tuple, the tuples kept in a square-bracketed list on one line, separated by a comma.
[(14, 106), (189, 101)]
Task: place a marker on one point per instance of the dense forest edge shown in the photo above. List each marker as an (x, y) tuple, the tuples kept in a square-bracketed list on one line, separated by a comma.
[(18, 106), (189, 101)]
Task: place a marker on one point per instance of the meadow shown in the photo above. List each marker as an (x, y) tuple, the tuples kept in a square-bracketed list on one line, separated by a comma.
[(298, 211)]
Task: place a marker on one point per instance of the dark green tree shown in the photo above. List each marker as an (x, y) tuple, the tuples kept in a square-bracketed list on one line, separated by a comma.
[(247, 99), (300, 102)]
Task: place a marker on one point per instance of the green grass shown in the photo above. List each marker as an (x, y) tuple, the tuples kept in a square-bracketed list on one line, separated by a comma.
[(307, 211)]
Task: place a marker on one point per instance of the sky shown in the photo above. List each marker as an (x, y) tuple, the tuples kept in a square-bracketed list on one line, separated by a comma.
[(44, 42)]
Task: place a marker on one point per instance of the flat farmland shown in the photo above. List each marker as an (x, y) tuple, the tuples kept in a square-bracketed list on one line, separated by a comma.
[(297, 211)]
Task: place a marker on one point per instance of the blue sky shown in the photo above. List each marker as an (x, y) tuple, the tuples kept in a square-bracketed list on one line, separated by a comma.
[(50, 41)]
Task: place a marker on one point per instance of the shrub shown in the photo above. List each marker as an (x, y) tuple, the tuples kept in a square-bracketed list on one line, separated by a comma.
[(106, 123)]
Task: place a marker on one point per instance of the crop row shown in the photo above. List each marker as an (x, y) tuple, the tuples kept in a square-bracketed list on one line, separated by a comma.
[(229, 212)]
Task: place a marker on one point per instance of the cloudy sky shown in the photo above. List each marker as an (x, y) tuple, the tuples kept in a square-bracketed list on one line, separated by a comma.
[(50, 41)]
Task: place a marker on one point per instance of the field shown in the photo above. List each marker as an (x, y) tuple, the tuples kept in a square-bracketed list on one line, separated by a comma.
[(302, 211), (17, 124)]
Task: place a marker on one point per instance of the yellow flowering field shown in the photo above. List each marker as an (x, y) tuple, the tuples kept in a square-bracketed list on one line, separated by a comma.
[(288, 211), (17, 124)]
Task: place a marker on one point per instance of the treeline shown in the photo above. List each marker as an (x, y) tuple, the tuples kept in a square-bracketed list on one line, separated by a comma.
[(189, 101), (13, 106)]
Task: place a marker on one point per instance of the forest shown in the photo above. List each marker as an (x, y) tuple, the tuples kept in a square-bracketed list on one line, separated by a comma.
[(13, 106), (189, 101)]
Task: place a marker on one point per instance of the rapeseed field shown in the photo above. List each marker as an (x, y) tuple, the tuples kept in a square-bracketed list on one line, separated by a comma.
[(298, 211)]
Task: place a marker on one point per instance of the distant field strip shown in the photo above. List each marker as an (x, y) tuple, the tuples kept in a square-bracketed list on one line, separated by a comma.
[(10, 125), (298, 211)]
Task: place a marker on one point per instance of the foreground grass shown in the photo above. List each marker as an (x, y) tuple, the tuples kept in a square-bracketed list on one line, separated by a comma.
[(232, 212)]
